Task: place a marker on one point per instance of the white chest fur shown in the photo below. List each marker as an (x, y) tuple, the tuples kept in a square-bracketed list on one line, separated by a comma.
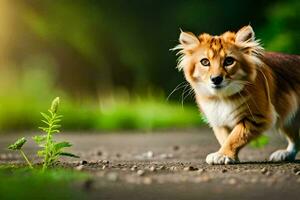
[(221, 113)]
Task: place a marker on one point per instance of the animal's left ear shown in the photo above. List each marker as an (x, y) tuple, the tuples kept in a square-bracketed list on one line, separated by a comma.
[(245, 34), (188, 40)]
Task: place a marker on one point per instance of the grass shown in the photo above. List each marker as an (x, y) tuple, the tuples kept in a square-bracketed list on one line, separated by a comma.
[(23, 99), (141, 114), (17, 183)]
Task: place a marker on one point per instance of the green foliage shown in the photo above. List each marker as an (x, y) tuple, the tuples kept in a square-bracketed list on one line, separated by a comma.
[(146, 114), (281, 32), (51, 150), (18, 144), (148, 111), (260, 142)]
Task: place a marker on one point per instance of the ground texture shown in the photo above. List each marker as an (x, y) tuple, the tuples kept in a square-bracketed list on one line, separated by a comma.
[(171, 165)]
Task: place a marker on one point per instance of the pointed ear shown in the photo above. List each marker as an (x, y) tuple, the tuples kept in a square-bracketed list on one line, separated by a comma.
[(188, 40), (245, 34)]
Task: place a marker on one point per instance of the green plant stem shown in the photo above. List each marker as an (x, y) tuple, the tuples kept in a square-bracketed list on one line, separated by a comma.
[(25, 157), (45, 165)]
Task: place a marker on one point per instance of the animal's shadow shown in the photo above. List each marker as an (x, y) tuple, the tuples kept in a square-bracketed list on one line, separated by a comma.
[(267, 162)]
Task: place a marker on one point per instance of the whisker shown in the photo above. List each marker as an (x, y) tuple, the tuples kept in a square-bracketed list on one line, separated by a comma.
[(247, 106), (183, 93), (190, 91), (267, 85), (247, 91), (179, 86), (244, 83)]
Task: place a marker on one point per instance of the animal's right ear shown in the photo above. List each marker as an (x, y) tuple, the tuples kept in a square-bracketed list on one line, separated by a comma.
[(245, 34), (188, 40)]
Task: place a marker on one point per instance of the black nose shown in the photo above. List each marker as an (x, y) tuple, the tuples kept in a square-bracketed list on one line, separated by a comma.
[(217, 80)]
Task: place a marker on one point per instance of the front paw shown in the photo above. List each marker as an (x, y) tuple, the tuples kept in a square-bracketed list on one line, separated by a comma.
[(282, 155), (219, 159)]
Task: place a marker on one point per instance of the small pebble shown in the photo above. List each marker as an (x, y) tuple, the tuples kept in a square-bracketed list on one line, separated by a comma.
[(140, 172), (104, 167), (133, 168), (99, 153), (298, 173), (93, 162), (150, 154), (105, 161), (152, 168), (263, 170), (224, 170), (173, 168), (190, 168), (79, 167), (187, 168), (295, 170), (83, 162), (118, 155), (268, 173), (162, 167), (175, 147)]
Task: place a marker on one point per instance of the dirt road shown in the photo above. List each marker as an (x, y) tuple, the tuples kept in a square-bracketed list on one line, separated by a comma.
[(170, 165)]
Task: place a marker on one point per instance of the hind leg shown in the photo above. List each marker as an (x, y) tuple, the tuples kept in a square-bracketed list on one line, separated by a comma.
[(288, 154)]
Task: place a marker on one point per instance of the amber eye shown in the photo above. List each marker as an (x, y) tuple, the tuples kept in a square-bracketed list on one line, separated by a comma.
[(228, 61), (205, 62)]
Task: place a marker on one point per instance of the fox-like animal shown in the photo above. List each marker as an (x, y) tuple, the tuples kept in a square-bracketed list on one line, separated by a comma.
[(242, 90)]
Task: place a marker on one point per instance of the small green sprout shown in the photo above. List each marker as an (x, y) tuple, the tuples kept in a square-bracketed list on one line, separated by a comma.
[(51, 150), (17, 146)]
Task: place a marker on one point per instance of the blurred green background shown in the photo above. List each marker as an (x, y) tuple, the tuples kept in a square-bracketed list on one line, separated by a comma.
[(109, 61)]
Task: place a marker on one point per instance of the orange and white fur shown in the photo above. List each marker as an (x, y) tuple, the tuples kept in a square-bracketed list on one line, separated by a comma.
[(242, 90)]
